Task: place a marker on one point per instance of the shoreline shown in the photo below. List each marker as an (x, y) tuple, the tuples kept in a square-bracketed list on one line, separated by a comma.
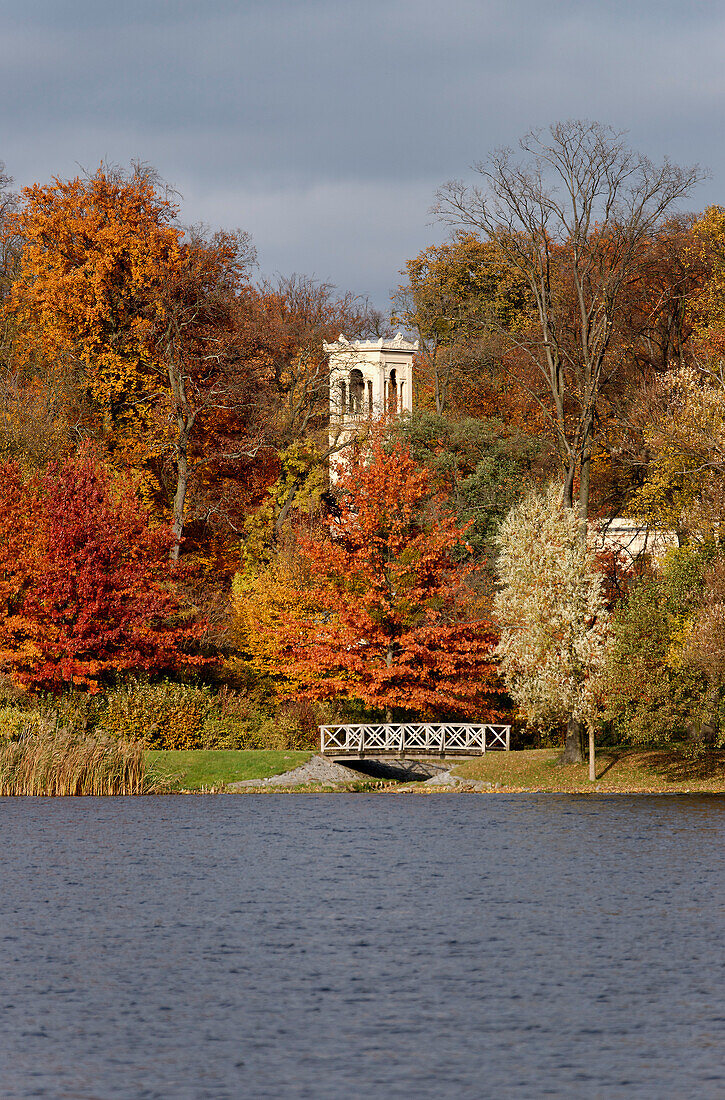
[(620, 772), (401, 790), (532, 771)]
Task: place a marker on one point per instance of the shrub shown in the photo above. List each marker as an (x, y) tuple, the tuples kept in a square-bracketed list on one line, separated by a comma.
[(16, 724), (238, 722), (162, 716), (10, 693), (233, 723), (180, 716), (74, 711), (298, 721)]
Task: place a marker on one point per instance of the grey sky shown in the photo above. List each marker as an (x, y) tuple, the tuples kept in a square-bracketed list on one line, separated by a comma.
[(325, 127)]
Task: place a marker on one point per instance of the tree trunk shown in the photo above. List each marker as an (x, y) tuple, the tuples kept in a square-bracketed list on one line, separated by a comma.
[(584, 480), (185, 419), (439, 399), (569, 475), (572, 753), (182, 481), (592, 761), (389, 664)]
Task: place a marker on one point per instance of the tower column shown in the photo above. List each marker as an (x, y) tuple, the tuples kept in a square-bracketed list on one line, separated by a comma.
[(368, 379)]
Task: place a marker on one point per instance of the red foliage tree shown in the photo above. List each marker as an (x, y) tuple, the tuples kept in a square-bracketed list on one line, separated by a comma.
[(392, 624), (86, 586)]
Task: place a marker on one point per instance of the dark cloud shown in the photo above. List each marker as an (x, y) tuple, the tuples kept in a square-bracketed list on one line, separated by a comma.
[(324, 127)]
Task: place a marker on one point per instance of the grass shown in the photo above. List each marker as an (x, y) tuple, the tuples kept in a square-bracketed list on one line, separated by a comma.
[(57, 763), (60, 764), (622, 771), (203, 769)]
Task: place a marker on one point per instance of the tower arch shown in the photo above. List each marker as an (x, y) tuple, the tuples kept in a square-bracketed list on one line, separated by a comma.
[(368, 380)]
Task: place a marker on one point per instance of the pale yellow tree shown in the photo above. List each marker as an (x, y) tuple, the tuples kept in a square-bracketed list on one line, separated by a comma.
[(554, 621)]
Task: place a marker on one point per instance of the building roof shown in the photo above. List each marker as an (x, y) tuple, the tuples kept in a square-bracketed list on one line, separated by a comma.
[(397, 343)]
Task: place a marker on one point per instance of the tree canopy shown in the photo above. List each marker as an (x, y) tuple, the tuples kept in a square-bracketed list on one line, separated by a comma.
[(393, 623)]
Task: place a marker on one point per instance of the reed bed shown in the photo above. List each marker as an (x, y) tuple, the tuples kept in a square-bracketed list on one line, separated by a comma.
[(63, 764)]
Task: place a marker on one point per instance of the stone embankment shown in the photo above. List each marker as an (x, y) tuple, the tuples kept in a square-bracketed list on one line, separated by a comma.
[(447, 781), (320, 771), (316, 770)]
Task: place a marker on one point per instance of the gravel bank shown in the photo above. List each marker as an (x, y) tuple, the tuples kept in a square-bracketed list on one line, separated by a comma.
[(316, 770), (320, 770)]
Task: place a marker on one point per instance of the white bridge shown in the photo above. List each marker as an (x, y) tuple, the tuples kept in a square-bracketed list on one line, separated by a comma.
[(408, 739)]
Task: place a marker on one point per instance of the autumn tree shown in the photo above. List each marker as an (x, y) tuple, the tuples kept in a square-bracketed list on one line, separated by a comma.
[(683, 427), (702, 652), (707, 307), (450, 293), (158, 325), (679, 418), (8, 248), (481, 467), (662, 304), (84, 581), (394, 626), (296, 316), (299, 315), (95, 256), (657, 335), (553, 616), (661, 680), (279, 585), (572, 218), (212, 370)]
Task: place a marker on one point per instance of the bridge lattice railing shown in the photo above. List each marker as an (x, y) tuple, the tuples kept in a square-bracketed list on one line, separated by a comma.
[(424, 737)]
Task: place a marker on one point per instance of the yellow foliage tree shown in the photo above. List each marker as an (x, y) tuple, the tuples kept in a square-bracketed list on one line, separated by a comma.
[(451, 294), (707, 307), (683, 490), (299, 486), (96, 255), (262, 596)]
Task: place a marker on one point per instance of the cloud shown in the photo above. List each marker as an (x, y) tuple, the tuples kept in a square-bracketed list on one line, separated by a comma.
[(353, 105), (296, 229)]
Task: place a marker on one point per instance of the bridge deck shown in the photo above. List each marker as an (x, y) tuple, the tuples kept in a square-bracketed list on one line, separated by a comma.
[(413, 739)]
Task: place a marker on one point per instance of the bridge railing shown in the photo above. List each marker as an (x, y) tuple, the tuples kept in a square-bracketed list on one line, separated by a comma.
[(414, 738)]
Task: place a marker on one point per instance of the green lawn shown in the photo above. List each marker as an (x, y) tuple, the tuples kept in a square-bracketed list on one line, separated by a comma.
[(204, 768), (618, 770)]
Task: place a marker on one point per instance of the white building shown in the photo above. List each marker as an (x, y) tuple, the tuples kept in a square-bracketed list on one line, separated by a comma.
[(369, 380), (634, 538)]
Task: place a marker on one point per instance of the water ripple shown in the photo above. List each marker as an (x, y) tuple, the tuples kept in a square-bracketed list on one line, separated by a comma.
[(327, 947)]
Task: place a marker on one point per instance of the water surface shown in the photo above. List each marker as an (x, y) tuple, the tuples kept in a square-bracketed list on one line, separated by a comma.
[(360, 946)]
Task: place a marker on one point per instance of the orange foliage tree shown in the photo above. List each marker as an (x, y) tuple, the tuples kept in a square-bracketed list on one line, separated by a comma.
[(96, 255), (297, 314), (213, 364), (85, 585), (393, 625), (161, 327)]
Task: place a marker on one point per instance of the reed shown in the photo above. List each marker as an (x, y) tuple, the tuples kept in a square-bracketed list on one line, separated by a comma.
[(56, 762)]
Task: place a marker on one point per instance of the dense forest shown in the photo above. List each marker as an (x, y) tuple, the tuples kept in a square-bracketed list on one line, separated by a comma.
[(175, 562)]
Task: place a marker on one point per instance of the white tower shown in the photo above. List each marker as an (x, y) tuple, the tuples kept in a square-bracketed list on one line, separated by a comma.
[(369, 380)]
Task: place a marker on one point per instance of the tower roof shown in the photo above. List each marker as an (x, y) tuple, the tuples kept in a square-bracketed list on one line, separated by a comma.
[(397, 343)]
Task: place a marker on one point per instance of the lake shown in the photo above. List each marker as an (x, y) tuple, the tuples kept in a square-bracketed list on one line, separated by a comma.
[(360, 946)]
